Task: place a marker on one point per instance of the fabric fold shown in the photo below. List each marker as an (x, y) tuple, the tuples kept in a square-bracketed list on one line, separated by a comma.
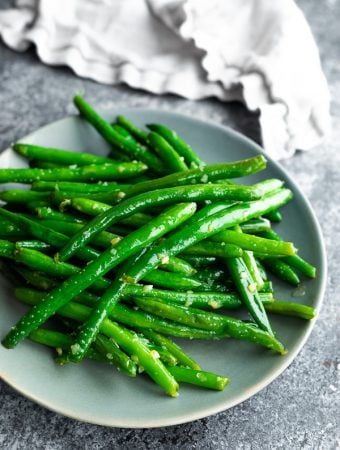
[(259, 52)]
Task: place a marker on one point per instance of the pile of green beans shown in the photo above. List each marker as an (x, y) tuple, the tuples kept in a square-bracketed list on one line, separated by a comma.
[(146, 244)]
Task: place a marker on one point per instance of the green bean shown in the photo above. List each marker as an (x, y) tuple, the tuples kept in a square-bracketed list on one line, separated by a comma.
[(106, 239), (202, 300), (210, 209), (57, 340), (23, 196), (294, 261), (106, 200), (164, 355), (182, 358), (118, 156), (173, 245), (262, 270), (267, 186), (103, 239), (291, 309), (235, 192), (200, 378), (255, 243), (37, 164), (45, 234), (115, 355), (143, 320), (127, 340), (207, 174), (90, 207), (137, 220), (95, 207), (41, 262), (50, 338), (32, 206), (197, 318), (42, 282), (91, 354), (127, 316), (178, 265), (98, 267), (58, 156), (77, 187), (9, 230), (166, 196), (281, 270), (116, 152), (104, 172), (229, 217), (182, 148), (34, 245), (263, 188), (46, 212), (114, 138), (36, 279), (211, 274), (123, 132), (274, 216), (267, 287), (6, 249), (138, 133), (214, 278), (200, 261), (250, 262), (247, 290), (170, 158), (86, 206), (220, 249), (107, 351), (63, 198), (184, 315), (173, 281), (257, 225), (140, 319)]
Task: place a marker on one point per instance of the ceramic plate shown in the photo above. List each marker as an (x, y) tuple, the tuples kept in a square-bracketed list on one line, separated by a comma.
[(95, 393)]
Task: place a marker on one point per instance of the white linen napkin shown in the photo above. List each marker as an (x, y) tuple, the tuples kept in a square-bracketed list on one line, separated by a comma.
[(260, 52)]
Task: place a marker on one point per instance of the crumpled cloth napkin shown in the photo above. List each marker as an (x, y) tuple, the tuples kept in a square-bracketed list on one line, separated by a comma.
[(260, 52)]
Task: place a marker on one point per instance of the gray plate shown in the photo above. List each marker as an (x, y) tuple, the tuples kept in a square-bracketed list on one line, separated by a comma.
[(95, 393)]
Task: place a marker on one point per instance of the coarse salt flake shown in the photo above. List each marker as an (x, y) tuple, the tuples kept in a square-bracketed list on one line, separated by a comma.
[(128, 279), (147, 288), (154, 354), (252, 287), (115, 240), (164, 259), (214, 304), (75, 348), (121, 194)]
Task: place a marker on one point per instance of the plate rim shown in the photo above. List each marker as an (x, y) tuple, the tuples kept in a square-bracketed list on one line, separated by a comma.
[(275, 372)]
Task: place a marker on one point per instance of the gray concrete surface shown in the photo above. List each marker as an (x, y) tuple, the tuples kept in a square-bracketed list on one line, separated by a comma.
[(300, 410)]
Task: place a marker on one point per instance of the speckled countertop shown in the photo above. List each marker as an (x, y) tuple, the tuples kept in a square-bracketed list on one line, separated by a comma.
[(300, 409)]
